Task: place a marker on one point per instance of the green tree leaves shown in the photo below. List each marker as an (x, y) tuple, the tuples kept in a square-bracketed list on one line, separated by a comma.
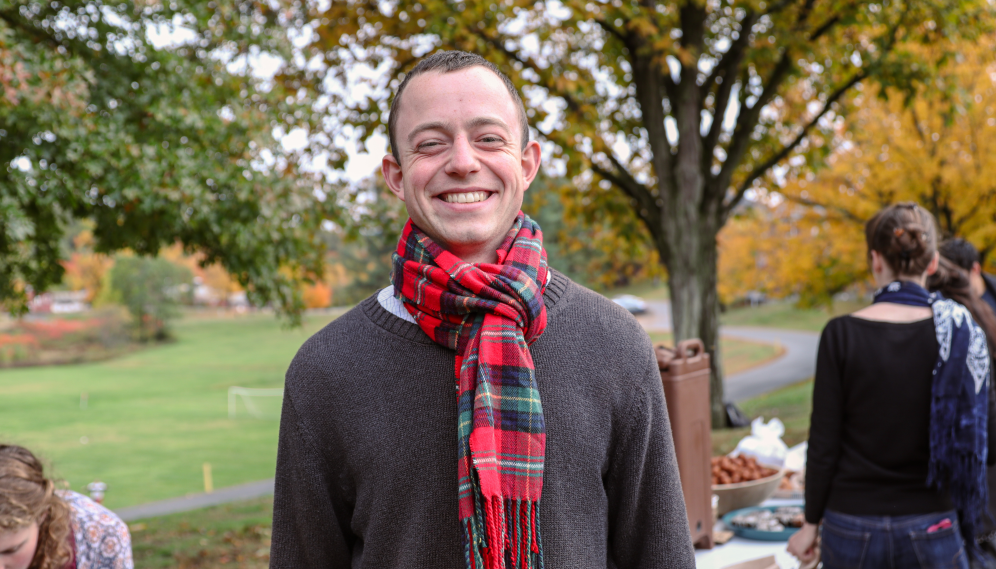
[(153, 144)]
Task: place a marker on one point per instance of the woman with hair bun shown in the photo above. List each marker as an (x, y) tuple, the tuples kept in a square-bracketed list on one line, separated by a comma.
[(898, 439), (45, 528)]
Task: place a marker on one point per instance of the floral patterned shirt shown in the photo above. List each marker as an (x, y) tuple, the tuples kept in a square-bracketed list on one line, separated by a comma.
[(102, 539)]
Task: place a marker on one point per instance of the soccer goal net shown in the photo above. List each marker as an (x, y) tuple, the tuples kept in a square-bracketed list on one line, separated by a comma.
[(249, 397)]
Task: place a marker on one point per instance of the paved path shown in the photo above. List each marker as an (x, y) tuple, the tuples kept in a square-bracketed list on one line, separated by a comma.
[(796, 364), (197, 501)]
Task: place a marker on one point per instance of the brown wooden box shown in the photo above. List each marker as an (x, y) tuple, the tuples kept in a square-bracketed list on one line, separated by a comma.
[(685, 375)]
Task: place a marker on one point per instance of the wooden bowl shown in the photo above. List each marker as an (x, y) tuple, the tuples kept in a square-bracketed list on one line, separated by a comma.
[(746, 494)]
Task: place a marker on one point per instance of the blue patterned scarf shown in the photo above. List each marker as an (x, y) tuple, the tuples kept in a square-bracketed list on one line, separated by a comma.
[(958, 404)]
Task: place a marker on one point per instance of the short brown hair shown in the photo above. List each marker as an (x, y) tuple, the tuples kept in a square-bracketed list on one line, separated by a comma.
[(27, 497), (905, 235), (960, 252), (446, 62)]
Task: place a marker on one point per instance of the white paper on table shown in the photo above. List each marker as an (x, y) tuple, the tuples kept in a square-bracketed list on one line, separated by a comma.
[(738, 550), (795, 458)]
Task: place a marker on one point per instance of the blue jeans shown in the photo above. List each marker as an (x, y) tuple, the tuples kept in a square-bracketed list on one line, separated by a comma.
[(894, 542)]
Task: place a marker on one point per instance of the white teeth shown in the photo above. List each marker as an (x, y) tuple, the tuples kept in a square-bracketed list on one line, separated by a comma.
[(466, 197)]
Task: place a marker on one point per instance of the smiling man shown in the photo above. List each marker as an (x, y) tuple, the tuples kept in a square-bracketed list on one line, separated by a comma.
[(483, 411)]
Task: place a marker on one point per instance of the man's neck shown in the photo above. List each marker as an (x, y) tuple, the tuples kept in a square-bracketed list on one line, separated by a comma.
[(478, 257)]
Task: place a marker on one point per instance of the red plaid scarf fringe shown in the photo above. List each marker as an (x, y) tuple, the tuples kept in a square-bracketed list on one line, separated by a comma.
[(489, 314)]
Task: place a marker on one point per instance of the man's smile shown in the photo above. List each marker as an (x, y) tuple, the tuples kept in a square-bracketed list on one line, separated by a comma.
[(464, 197)]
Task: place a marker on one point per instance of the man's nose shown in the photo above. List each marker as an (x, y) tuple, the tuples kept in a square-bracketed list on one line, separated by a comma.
[(463, 158)]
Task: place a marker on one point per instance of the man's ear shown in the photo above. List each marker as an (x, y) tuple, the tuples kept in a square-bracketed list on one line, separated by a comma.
[(976, 269), (530, 161), (393, 176)]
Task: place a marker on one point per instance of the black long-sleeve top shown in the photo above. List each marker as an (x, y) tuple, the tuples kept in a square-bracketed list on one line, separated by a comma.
[(868, 438)]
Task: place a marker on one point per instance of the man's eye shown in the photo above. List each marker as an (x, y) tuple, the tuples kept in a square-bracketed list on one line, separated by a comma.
[(426, 145), (492, 139)]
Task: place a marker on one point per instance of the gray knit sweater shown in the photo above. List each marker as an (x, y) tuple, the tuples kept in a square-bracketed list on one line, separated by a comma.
[(367, 460)]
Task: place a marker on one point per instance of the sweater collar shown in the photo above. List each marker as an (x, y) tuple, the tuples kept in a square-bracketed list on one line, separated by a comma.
[(386, 311), (389, 301)]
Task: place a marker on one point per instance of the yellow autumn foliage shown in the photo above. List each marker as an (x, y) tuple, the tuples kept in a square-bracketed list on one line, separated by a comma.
[(938, 150), (318, 295), (786, 249)]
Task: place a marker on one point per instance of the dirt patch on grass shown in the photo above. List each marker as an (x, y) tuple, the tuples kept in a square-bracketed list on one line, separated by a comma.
[(229, 536)]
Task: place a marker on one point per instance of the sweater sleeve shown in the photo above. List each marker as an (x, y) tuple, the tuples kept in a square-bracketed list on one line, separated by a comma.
[(648, 526), (310, 521), (826, 424)]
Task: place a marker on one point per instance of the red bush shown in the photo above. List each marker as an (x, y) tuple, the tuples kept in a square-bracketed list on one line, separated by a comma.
[(19, 339), (55, 329)]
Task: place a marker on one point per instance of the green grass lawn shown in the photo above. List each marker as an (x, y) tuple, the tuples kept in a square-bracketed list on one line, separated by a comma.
[(232, 535), (779, 314), (737, 355), (155, 416), (792, 404)]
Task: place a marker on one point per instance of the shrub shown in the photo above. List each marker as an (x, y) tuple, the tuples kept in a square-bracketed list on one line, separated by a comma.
[(17, 349), (65, 340), (149, 288)]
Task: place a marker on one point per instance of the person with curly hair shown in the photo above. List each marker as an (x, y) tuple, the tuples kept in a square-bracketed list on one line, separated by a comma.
[(45, 528)]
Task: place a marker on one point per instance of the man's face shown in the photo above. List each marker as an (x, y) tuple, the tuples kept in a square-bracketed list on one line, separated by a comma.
[(978, 285), (463, 170)]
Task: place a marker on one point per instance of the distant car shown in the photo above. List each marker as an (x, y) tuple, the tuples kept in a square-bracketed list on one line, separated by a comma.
[(634, 304)]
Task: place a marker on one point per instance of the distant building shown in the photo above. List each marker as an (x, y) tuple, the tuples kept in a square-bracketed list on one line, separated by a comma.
[(59, 302), (238, 300), (206, 295)]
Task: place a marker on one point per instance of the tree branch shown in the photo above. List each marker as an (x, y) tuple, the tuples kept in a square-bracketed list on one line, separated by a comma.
[(916, 125), (727, 69), (572, 103), (612, 30), (844, 212), (692, 20), (972, 211), (747, 121), (648, 211), (15, 21), (668, 84), (824, 28), (777, 7), (647, 78), (760, 169), (804, 11)]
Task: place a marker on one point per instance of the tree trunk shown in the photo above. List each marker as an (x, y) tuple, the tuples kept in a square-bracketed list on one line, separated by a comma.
[(692, 271), (689, 218)]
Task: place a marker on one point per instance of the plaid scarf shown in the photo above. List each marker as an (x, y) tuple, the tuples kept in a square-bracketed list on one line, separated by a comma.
[(489, 314)]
